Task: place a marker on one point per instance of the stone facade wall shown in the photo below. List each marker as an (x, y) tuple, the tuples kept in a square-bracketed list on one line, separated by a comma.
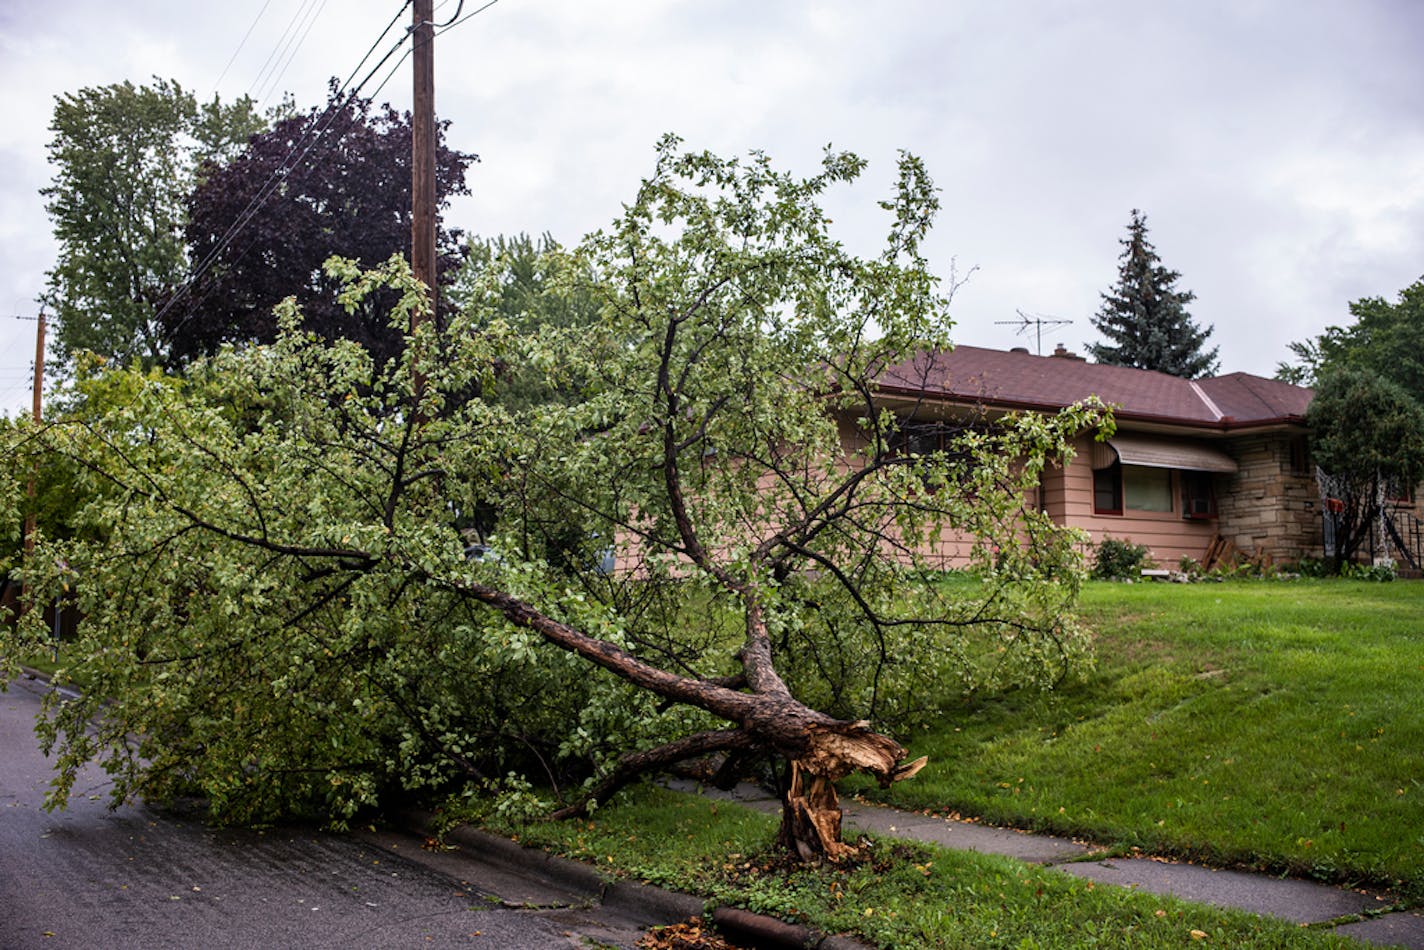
[(1271, 506)]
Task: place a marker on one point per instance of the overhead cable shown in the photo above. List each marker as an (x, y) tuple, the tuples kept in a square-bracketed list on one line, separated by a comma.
[(455, 23), (241, 43), (282, 42), (313, 134), (296, 47)]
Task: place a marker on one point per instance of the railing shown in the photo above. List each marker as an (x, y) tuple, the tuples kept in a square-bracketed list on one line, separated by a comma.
[(1403, 536), (1407, 534)]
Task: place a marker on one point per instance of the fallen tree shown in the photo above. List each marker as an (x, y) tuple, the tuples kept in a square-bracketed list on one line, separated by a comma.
[(284, 613)]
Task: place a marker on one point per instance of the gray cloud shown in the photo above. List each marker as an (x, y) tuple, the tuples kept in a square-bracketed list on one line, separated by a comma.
[(1273, 144)]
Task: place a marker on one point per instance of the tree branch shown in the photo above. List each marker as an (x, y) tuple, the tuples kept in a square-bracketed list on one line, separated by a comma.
[(634, 764)]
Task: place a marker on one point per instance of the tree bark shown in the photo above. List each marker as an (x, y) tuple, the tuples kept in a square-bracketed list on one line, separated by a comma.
[(635, 764), (811, 811), (821, 748)]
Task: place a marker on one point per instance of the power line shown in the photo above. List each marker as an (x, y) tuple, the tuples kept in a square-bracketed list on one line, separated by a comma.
[(13, 392), (310, 138), (405, 56), (279, 49), (286, 166), (395, 19), (451, 26), (445, 27), (240, 45), (296, 47), (453, 17)]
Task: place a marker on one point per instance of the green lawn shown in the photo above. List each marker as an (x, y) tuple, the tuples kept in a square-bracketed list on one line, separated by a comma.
[(1277, 725)]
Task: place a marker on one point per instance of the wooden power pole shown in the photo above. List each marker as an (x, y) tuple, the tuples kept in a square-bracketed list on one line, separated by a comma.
[(31, 491), (422, 236)]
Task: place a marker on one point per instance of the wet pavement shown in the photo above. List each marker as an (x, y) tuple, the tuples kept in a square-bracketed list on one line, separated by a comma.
[(139, 877)]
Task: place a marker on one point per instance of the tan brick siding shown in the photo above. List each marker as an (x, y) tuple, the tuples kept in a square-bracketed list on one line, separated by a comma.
[(1266, 508)]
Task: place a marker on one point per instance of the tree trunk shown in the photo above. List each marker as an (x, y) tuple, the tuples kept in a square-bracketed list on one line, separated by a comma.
[(811, 818), (822, 749), (811, 811)]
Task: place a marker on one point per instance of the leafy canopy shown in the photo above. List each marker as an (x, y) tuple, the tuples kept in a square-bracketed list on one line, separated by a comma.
[(527, 284), (1386, 339), (1365, 418), (283, 616), (1367, 436), (125, 158), (347, 193)]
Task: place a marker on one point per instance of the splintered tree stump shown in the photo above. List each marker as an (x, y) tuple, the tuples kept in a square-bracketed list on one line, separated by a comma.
[(811, 817), (811, 812)]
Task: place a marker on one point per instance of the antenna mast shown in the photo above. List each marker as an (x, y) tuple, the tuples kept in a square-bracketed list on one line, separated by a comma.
[(1037, 321)]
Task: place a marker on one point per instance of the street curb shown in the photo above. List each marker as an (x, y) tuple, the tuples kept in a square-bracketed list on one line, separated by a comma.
[(760, 930), (773, 934)]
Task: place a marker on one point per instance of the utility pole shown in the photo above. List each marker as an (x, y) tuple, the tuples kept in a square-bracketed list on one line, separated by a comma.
[(31, 491), (422, 165)]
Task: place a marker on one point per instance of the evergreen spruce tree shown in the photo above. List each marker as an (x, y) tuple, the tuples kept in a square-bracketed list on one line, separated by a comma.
[(1145, 318)]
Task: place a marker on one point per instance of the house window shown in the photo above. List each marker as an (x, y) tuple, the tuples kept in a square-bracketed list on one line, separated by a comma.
[(1120, 488), (1107, 490), (1300, 457), (939, 443), (918, 439), (925, 438), (1147, 489), (1198, 500)]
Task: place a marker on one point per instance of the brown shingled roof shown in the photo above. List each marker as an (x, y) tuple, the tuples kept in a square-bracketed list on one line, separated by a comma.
[(1242, 396), (1021, 380)]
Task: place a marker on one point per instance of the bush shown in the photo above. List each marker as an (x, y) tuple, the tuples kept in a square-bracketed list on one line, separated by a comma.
[(1314, 567), (1383, 571), (1120, 560)]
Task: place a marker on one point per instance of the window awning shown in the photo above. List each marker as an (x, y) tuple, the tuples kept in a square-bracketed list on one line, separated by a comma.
[(1153, 452)]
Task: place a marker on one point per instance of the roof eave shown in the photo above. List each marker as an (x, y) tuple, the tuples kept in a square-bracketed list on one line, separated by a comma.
[(1225, 424)]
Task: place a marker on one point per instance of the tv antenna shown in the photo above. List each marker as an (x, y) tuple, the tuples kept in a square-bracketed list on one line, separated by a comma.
[(1037, 321)]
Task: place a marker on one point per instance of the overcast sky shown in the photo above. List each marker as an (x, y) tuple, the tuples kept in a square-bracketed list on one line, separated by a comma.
[(1276, 146)]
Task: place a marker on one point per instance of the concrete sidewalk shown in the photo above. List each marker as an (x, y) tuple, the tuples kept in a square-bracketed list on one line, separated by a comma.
[(1362, 915)]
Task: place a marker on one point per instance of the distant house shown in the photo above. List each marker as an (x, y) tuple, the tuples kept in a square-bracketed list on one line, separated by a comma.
[(1196, 466)]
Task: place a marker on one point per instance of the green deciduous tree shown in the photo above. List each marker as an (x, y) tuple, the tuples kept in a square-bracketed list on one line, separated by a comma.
[(284, 614), (533, 286), (1386, 339), (1145, 318), (1368, 438), (125, 158)]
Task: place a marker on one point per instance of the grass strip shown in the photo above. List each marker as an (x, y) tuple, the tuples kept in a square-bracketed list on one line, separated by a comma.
[(902, 895)]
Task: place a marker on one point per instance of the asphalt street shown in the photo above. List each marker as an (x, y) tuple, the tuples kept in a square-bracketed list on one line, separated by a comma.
[(139, 877)]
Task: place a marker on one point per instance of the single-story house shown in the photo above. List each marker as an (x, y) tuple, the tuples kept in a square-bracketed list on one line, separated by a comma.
[(1191, 461)]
